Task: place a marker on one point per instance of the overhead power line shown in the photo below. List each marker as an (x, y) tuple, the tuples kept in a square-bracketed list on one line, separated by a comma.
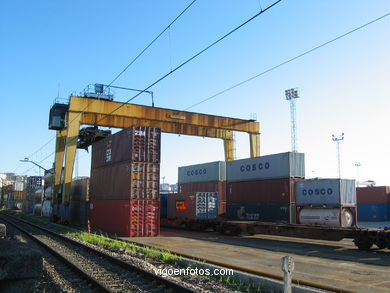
[(44, 159), (143, 51), (287, 61), (194, 56), (46, 143), (151, 43)]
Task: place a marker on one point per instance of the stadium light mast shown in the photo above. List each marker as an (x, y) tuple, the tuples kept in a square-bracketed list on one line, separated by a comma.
[(291, 96), (357, 165), (337, 139)]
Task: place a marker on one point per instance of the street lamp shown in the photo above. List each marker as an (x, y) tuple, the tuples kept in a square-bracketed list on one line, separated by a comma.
[(337, 139), (26, 160)]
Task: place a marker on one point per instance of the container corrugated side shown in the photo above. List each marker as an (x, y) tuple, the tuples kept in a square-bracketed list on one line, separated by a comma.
[(375, 194), (373, 212), (78, 213), (330, 192), (267, 191), (210, 186), (132, 218), (212, 171), (182, 206), (281, 165), (125, 180), (193, 205), (263, 213), (136, 143), (79, 190), (206, 205), (164, 205)]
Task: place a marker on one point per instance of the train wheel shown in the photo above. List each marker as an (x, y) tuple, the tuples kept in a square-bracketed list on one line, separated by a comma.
[(363, 243), (381, 243), (230, 230)]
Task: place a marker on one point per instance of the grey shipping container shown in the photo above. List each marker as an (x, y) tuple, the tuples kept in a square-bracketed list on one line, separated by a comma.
[(79, 213), (213, 171), (283, 165), (329, 192), (79, 190), (264, 213)]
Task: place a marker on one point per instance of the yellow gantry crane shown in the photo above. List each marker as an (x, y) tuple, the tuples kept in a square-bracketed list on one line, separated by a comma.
[(67, 118)]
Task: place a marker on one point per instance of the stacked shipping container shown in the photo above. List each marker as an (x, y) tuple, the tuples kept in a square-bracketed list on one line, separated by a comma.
[(202, 192), (329, 202), (34, 194), (124, 186), (79, 197), (262, 188), (373, 203)]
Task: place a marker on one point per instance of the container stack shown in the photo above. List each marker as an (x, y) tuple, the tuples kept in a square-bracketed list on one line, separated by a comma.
[(373, 203), (203, 182), (34, 195), (124, 184), (79, 206), (47, 208), (262, 188), (330, 202)]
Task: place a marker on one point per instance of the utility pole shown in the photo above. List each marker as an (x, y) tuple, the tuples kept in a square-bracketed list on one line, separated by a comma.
[(292, 95), (337, 139)]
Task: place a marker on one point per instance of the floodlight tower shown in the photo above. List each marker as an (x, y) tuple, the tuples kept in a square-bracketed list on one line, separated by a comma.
[(292, 95), (337, 139), (357, 165)]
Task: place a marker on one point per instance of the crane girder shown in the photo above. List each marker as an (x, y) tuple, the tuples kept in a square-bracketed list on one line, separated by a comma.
[(100, 112)]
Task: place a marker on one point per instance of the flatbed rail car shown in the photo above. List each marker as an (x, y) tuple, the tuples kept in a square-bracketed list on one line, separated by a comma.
[(363, 238)]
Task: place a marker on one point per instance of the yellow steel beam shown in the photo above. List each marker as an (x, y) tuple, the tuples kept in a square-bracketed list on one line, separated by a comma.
[(229, 146), (108, 113), (58, 162), (115, 114), (71, 144), (254, 139)]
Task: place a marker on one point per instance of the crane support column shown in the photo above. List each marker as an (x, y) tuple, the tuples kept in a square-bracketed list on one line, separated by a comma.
[(229, 145), (59, 159), (254, 139), (74, 119)]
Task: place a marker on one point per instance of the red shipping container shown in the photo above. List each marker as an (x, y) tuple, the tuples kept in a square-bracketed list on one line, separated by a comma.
[(130, 218), (213, 186), (136, 143), (267, 191), (125, 180), (374, 194)]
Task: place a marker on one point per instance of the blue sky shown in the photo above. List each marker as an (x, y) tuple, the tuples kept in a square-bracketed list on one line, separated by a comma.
[(51, 46)]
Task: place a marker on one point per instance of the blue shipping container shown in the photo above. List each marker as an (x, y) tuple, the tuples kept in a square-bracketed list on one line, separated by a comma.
[(64, 211), (263, 213), (373, 212), (163, 205)]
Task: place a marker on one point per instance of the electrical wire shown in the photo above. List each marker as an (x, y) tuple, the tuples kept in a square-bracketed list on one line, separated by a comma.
[(44, 159), (288, 61), (50, 140), (194, 56), (151, 43), (143, 51)]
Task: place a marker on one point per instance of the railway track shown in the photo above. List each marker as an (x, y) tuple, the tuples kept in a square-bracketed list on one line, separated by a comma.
[(104, 272)]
